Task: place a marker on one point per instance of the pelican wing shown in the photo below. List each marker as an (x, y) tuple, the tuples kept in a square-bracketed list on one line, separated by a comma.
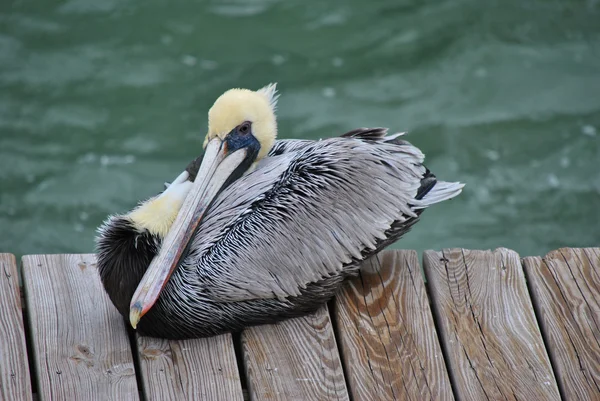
[(307, 214)]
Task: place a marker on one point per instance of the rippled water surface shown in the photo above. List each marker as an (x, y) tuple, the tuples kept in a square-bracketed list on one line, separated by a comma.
[(103, 101)]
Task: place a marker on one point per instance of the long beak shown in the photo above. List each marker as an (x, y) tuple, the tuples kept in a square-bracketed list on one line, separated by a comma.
[(214, 171)]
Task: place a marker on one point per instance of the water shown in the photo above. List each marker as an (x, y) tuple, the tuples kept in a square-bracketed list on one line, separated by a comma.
[(103, 101)]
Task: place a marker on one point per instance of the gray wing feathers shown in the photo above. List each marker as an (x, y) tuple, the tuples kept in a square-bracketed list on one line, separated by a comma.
[(304, 215), (288, 145)]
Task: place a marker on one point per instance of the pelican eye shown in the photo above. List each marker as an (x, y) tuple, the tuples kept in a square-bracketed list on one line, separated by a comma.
[(244, 128)]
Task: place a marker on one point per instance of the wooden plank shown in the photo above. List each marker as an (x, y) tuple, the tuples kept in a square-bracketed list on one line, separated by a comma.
[(199, 369), (296, 359), (488, 327), (79, 340), (387, 336), (15, 383), (565, 287)]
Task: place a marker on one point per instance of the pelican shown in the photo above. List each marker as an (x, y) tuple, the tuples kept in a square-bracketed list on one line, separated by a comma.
[(257, 230)]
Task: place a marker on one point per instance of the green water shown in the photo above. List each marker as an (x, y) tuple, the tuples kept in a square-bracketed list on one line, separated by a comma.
[(102, 101)]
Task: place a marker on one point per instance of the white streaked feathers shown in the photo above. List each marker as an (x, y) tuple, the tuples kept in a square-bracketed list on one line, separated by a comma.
[(305, 215), (441, 192)]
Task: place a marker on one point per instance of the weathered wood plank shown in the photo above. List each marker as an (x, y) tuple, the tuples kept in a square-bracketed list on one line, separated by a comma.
[(80, 344), (296, 359), (565, 287), (200, 369), (387, 335), (15, 383), (494, 347)]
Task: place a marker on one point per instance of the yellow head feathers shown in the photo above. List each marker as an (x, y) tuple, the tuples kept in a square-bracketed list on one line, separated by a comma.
[(236, 106)]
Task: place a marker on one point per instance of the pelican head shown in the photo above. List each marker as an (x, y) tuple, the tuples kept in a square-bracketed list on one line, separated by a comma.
[(241, 130), (242, 117)]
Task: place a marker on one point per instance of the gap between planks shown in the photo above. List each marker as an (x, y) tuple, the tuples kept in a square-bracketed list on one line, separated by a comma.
[(15, 379), (487, 326), (204, 369), (79, 341), (295, 359), (565, 288), (387, 336)]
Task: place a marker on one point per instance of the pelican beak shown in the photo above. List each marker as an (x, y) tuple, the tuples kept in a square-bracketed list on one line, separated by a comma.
[(217, 167)]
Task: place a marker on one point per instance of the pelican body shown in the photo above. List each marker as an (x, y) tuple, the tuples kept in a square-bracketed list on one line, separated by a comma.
[(257, 230)]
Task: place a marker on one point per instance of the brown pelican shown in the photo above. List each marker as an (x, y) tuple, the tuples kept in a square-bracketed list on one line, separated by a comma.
[(258, 230)]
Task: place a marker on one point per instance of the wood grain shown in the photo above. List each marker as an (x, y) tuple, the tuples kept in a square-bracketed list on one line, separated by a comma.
[(487, 325), (199, 369), (296, 359), (80, 344), (565, 287), (15, 383), (387, 336)]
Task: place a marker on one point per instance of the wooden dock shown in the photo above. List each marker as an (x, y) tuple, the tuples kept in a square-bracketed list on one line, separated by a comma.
[(488, 325)]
